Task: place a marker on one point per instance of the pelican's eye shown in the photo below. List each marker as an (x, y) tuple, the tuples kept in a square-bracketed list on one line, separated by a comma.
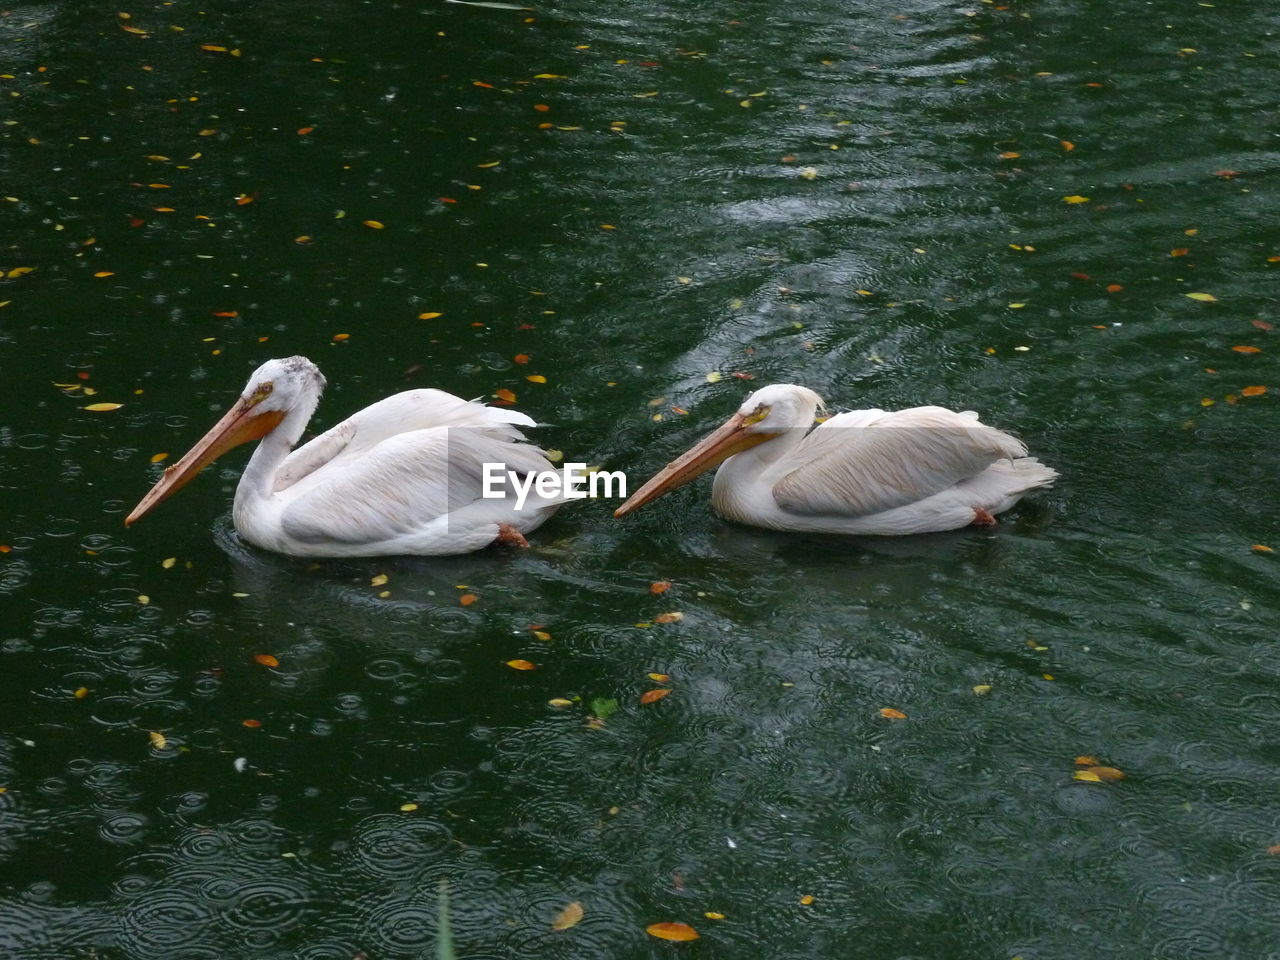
[(261, 393), (756, 415)]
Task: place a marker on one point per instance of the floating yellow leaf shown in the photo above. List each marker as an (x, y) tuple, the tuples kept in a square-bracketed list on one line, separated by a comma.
[(674, 616), (713, 915), (542, 635), (1075, 198), (536, 378), (659, 677), (560, 702), (408, 807), (806, 899), (375, 224), (1203, 297), (486, 166), (714, 376), (266, 659), (1106, 773), (429, 315), (81, 693), (19, 272), (567, 917), (378, 581), (102, 407), (521, 665), (891, 714), (168, 562), (671, 930), (158, 740), (981, 689), (549, 76), (651, 696), (1088, 776)]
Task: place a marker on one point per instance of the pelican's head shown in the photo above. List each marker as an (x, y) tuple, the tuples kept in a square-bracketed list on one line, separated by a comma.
[(765, 414), (276, 390)]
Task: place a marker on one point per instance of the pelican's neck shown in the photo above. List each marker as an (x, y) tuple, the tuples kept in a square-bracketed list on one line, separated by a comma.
[(739, 477), (257, 483)]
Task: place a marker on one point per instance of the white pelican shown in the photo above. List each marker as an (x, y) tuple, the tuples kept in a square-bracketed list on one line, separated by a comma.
[(402, 476), (865, 472)]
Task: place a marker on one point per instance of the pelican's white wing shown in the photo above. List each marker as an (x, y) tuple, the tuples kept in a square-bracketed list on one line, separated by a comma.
[(400, 413), (869, 461), (400, 486)]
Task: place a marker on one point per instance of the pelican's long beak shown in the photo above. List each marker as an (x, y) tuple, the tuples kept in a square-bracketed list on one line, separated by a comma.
[(711, 451), (242, 423)]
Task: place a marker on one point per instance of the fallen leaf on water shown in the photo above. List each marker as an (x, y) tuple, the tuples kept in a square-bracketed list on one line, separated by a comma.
[(660, 586), (168, 562), (1253, 391), (1179, 251), (536, 378), (379, 580), (266, 659), (659, 677), (408, 807), (1106, 773), (1075, 198), (1274, 849), (651, 696), (341, 336), (1086, 761), (1010, 155), (467, 599), (1203, 297), (1088, 776), (674, 616), (19, 272), (251, 723), (303, 131), (430, 315), (892, 714), (81, 693), (541, 635), (1261, 324), (567, 917), (505, 394), (1262, 548), (671, 930), (1067, 145), (102, 407), (1114, 288), (158, 740), (375, 224), (806, 899), (522, 665), (714, 376), (520, 358), (982, 689), (560, 702), (1241, 349), (713, 915)]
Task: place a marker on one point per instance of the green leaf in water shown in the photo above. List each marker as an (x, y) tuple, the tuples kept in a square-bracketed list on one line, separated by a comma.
[(604, 707)]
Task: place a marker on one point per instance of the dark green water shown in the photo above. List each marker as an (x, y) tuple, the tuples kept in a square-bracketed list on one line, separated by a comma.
[(1122, 615)]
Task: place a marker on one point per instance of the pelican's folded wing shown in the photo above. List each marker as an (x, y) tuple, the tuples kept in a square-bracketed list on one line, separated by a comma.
[(400, 413), (399, 486), (868, 461)]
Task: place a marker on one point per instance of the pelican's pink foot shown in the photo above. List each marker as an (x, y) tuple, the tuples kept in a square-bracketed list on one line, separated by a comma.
[(981, 518), (509, 534)]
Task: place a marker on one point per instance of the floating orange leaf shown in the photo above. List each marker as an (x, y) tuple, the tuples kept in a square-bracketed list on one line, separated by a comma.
[(536, 378), (467, 599), (1179, 251), (1067, 145), (1257, 548), (567, 917), (673, 616), (1261, 324), (520, 358), (266, 659), (521, 665), (303, 131), (1240, 349), (542, 635), (1114, 288), (375, 224), (505, 394), (671, 930), (226, 313), (429, 315), (1010, 155), (1086, 761), (892, 714), (652, 696), (660, 586), (252, 724), (105, 273), (341, 336), (1253, 391)]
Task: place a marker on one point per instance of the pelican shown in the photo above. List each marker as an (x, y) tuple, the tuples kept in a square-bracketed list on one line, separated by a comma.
[(918, 470), (402, 476)]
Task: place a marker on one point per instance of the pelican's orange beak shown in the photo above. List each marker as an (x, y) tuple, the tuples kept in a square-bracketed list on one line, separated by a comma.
[(711, 451), (242, 423)]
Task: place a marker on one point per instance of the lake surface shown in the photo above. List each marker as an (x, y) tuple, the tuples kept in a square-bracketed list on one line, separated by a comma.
[(210, 752)]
